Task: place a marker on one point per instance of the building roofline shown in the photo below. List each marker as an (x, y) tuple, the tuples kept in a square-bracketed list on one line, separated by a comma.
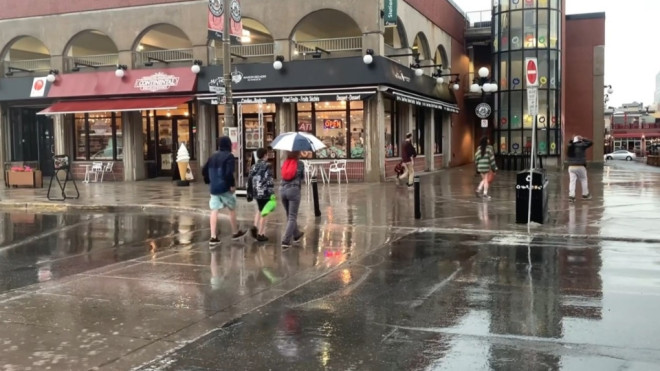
[(458, 8), (570, 17)]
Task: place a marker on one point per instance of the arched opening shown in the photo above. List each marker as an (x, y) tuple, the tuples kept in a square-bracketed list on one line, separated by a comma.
[(163, 44), (90, 49), (317, 35), (441, 57), (257, 44), (395, 37), (421, 46), (25, 55)]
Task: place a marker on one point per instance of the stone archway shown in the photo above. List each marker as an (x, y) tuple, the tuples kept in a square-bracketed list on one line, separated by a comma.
[(25, 54), (318, 36), (163, 44), (90, 49)]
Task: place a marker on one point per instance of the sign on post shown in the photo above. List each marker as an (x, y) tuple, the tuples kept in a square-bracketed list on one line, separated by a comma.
[(533, 101), (484, 123), (532, 77), (390, 13)]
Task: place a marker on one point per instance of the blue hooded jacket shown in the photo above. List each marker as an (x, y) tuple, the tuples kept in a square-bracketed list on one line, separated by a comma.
[(219, 169)]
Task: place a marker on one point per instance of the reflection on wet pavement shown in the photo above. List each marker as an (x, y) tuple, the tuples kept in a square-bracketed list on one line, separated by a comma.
[(454, 302)]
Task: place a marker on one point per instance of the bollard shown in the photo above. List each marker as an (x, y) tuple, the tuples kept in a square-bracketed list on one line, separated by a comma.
[(418, 210), (315, 195)]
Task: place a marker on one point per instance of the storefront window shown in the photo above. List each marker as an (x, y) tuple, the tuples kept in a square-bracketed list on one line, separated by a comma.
[(392, 135), (438, 118), (100, 136), (80, 124), (357, 129), (331, 127)]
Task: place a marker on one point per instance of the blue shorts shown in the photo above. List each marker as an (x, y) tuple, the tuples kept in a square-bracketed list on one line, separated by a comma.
[(225, 200)]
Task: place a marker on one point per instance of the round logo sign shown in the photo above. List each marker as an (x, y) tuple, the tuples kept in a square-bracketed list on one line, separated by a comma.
[(515, 146), (216, 7), (516, 81), (38, 85), (235, 9), (483, 110)]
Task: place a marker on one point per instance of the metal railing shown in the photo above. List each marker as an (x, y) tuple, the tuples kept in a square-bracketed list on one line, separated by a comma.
[(30, 64), (479, 19), (341, 44), (252, 50), (99, 60), (169, 55)]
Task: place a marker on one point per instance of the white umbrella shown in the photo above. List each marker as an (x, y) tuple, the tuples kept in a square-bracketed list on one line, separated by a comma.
[(297, 141)]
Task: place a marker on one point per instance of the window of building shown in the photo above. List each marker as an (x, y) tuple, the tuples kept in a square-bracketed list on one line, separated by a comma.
[(438, 117), (392, 129), (339, 124), (98, 136)]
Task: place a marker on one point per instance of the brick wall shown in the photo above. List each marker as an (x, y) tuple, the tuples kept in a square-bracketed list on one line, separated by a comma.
[(12, 9), (438, 161)]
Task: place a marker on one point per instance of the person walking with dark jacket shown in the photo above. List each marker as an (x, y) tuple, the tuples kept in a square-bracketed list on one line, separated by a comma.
[(219, 173), (408, 154), (261, 187), (577, 166)]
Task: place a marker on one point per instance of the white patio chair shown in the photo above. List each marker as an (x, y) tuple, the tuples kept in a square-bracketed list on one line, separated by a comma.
[(310, 171), (338, 167), (107, 168), (96, 169)]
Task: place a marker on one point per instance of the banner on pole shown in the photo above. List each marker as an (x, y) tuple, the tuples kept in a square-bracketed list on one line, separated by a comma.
[(216, 20), (532, 101), (390, 13)]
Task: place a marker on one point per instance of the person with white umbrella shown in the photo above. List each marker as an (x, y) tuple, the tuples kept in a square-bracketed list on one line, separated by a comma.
[(293, 174)]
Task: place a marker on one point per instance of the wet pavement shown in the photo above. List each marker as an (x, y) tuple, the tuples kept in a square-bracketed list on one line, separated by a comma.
[(123, 278)]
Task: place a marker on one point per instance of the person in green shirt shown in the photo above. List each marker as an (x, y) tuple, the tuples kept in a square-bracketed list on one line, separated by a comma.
[(484, 159)]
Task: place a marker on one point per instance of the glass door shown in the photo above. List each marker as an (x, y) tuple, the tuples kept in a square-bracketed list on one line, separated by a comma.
[(164, 155)]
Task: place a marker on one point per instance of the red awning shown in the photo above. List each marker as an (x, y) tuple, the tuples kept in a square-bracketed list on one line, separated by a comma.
[(636, 135), (115, 105)]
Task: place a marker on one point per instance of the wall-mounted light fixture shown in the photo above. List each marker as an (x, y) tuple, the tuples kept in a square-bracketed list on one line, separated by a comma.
[(121, 70), (279, 62), (150, 61), (52, 75), (453, 83), (317, 52), (368, 57), (10, 70), (196, 67)]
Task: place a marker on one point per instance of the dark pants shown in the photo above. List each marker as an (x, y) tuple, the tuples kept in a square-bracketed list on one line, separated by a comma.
[(290, 196)]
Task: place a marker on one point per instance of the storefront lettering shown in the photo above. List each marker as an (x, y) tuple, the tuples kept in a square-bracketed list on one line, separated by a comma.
[(301, 98), (254, 78), (156, 82), (252, 101), (348, 97), (400, 76)]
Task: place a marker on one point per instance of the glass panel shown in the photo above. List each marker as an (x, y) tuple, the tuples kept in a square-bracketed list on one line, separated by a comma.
[(543, 57), (543, 29), (389, 129), (542, 141), (516, 30), (504, 5), (165, 144), (120, 136), (438, 117), (529, 37), (183, 134), (553, 72), (357, 131), (516, 142), (496, 31), (516, 70), (100, 136), (304, 107), (304, 124), (504, 142), (81, 137), (145, 138), (553, 30), (504, 37), (527, 141), (516, 109), (331, 129), (554, 142), (553, 4), (331, 106), (504, 71), (543, 109), (503, 120), (543, 3), (530, 3)]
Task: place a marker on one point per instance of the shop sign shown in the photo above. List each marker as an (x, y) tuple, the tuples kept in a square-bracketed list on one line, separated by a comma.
[(301, 99), (483, 110), (390, 13), (400, 76), (333, 124), (217, 86), (348, 97), (305, 126), (159, 81), (38, 87), (418, 102)]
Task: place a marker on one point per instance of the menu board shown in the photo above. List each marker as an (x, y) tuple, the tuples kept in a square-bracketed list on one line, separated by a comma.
[(252, 135)]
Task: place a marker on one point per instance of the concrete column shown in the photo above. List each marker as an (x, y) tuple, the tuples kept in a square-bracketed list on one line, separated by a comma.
[(201, 52), (283, 47), (373, 40), (57, 62), (598, 106), (446, 138), (134, 167), (4, 138), (126, 57), (374, 160), (429, 140), (205, 131), (59, 134)]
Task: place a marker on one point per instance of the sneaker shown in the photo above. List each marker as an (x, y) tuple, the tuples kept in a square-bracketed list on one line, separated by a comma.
[(477, 193), (587, 197), (286, 245), (254, 232), (487, 197), (238, 235), (571, 200), (262, 238), (299, 237), (214, 241)]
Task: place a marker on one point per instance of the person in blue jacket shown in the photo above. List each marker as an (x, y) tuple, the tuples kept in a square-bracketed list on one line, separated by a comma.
[(219, 173)]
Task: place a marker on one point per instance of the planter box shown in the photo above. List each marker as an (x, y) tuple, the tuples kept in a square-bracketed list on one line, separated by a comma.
[(24, 178)]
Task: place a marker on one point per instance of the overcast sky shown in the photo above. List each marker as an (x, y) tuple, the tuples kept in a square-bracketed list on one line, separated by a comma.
[(632, 52)]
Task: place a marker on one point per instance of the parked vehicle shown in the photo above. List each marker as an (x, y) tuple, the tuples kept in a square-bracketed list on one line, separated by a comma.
[(621, 154)]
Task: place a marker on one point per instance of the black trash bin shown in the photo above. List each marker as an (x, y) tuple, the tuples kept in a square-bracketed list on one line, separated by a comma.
[(539, 196)]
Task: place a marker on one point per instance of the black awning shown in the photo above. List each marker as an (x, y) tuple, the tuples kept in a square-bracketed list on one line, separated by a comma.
[(297, 95), (422, 101)]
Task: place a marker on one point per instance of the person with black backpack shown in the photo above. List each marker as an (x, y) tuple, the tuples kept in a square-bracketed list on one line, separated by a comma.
[(293, 174), (260, 187)]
